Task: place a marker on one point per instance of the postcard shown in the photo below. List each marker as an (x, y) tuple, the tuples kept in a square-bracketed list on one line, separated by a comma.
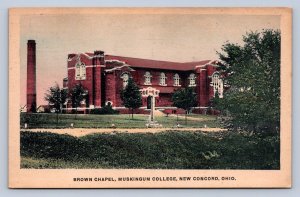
[(150, 97)]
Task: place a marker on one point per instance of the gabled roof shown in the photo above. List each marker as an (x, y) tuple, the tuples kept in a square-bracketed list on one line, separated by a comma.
[(157, 64), (147, 63)]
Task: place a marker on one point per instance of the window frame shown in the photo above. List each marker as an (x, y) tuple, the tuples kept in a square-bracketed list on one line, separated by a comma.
[(80, 71), (148, 77), (192, 78), (217, 84), (177, 80), (125, 83), (162, 79)]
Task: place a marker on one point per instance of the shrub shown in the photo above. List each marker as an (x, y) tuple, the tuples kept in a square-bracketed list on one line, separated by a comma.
[(164, 150), (107, 109)]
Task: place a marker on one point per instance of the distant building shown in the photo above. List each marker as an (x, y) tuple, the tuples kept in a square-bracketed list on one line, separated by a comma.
[(104, 76), (44, 109)]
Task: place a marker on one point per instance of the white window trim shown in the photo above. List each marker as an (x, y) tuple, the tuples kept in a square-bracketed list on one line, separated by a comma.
[(80, 71), (125, 83), (217, 84), (163, 78), (177, 80), (192, 78), (111, 103), (146, 82)]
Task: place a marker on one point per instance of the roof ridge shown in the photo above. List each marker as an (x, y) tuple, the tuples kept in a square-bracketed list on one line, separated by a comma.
[(143, 59)]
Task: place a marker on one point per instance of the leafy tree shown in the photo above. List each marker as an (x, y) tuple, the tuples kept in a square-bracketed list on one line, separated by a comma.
[(253, 75), (185, 99), (78, 94), (131, 96), (56, 98)]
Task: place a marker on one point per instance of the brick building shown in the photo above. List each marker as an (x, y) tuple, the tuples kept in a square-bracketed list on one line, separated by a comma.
[(104, 76)]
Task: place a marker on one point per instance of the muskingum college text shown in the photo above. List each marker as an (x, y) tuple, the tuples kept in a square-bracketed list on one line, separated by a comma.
[(196, 178)]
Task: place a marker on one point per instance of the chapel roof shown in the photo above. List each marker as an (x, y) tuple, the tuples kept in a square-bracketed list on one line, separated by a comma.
[(149, 63), (157, 64)]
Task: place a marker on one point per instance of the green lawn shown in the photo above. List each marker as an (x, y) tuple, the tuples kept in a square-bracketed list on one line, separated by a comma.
[(164, 150), (42, 120)]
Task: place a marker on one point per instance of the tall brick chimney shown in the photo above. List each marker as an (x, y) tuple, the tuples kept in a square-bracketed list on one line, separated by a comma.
[(31, 76)]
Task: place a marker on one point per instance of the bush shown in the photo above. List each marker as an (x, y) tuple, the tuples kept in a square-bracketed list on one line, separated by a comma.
[(164, 150), (107, 109)]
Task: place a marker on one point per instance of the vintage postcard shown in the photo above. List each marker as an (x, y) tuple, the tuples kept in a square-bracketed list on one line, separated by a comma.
[(150, 97)]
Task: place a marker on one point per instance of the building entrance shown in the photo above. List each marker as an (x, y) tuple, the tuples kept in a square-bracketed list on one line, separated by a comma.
[(149, 98)]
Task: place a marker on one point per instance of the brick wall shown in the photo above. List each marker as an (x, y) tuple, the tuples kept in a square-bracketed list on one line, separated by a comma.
[(110, 87), (87, 84)]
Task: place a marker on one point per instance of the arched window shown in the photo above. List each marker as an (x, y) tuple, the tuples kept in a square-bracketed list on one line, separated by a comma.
[(162, 79), (217, 84), (80, 71), (176, 80), (125, 78), (108, 103), (147, 78), (192, 80)]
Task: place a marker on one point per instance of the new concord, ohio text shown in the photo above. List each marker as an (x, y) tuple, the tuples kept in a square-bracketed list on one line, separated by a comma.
[(196, 178)]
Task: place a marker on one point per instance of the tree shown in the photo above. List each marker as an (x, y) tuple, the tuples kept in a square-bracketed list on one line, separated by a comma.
[(131, 96), (185, 99), (253, 76), (56, 98), (78, 94)]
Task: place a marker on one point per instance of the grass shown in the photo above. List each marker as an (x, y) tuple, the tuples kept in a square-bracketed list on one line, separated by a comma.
[(29, 162), (164, 150), (40, 120)]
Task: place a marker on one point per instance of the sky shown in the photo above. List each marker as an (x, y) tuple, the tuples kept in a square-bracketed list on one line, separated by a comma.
[(179, 38)]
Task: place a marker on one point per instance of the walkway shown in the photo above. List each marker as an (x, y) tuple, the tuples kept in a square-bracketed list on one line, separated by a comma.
[(85, 131)]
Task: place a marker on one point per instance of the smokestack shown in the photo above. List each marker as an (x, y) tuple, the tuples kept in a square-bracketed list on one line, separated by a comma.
[(31, 76)]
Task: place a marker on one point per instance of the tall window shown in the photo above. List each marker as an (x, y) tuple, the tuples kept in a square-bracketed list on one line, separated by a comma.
[(80, 71), (125, 78), (217, 84), (147, 78), (162, 79), (176, 80), (192, 80)]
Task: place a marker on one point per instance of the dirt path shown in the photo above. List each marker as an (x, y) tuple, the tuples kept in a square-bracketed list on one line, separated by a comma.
[(85, 131), (159, 113), (188, 117)]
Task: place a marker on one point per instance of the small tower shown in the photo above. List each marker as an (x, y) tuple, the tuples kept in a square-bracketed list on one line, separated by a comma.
[(31, 76)]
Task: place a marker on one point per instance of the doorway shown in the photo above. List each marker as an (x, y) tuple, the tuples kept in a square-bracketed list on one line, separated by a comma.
[(149, 98)]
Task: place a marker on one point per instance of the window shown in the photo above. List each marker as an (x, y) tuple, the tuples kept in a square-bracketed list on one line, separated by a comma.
[(162, 79), (176, 80), (108, 103), (217, 84), (80, 71), (147, 78), (125, 78), (192, 79)]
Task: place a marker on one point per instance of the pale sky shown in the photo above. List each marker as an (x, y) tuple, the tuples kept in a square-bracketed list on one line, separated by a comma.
[(181, 38)]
